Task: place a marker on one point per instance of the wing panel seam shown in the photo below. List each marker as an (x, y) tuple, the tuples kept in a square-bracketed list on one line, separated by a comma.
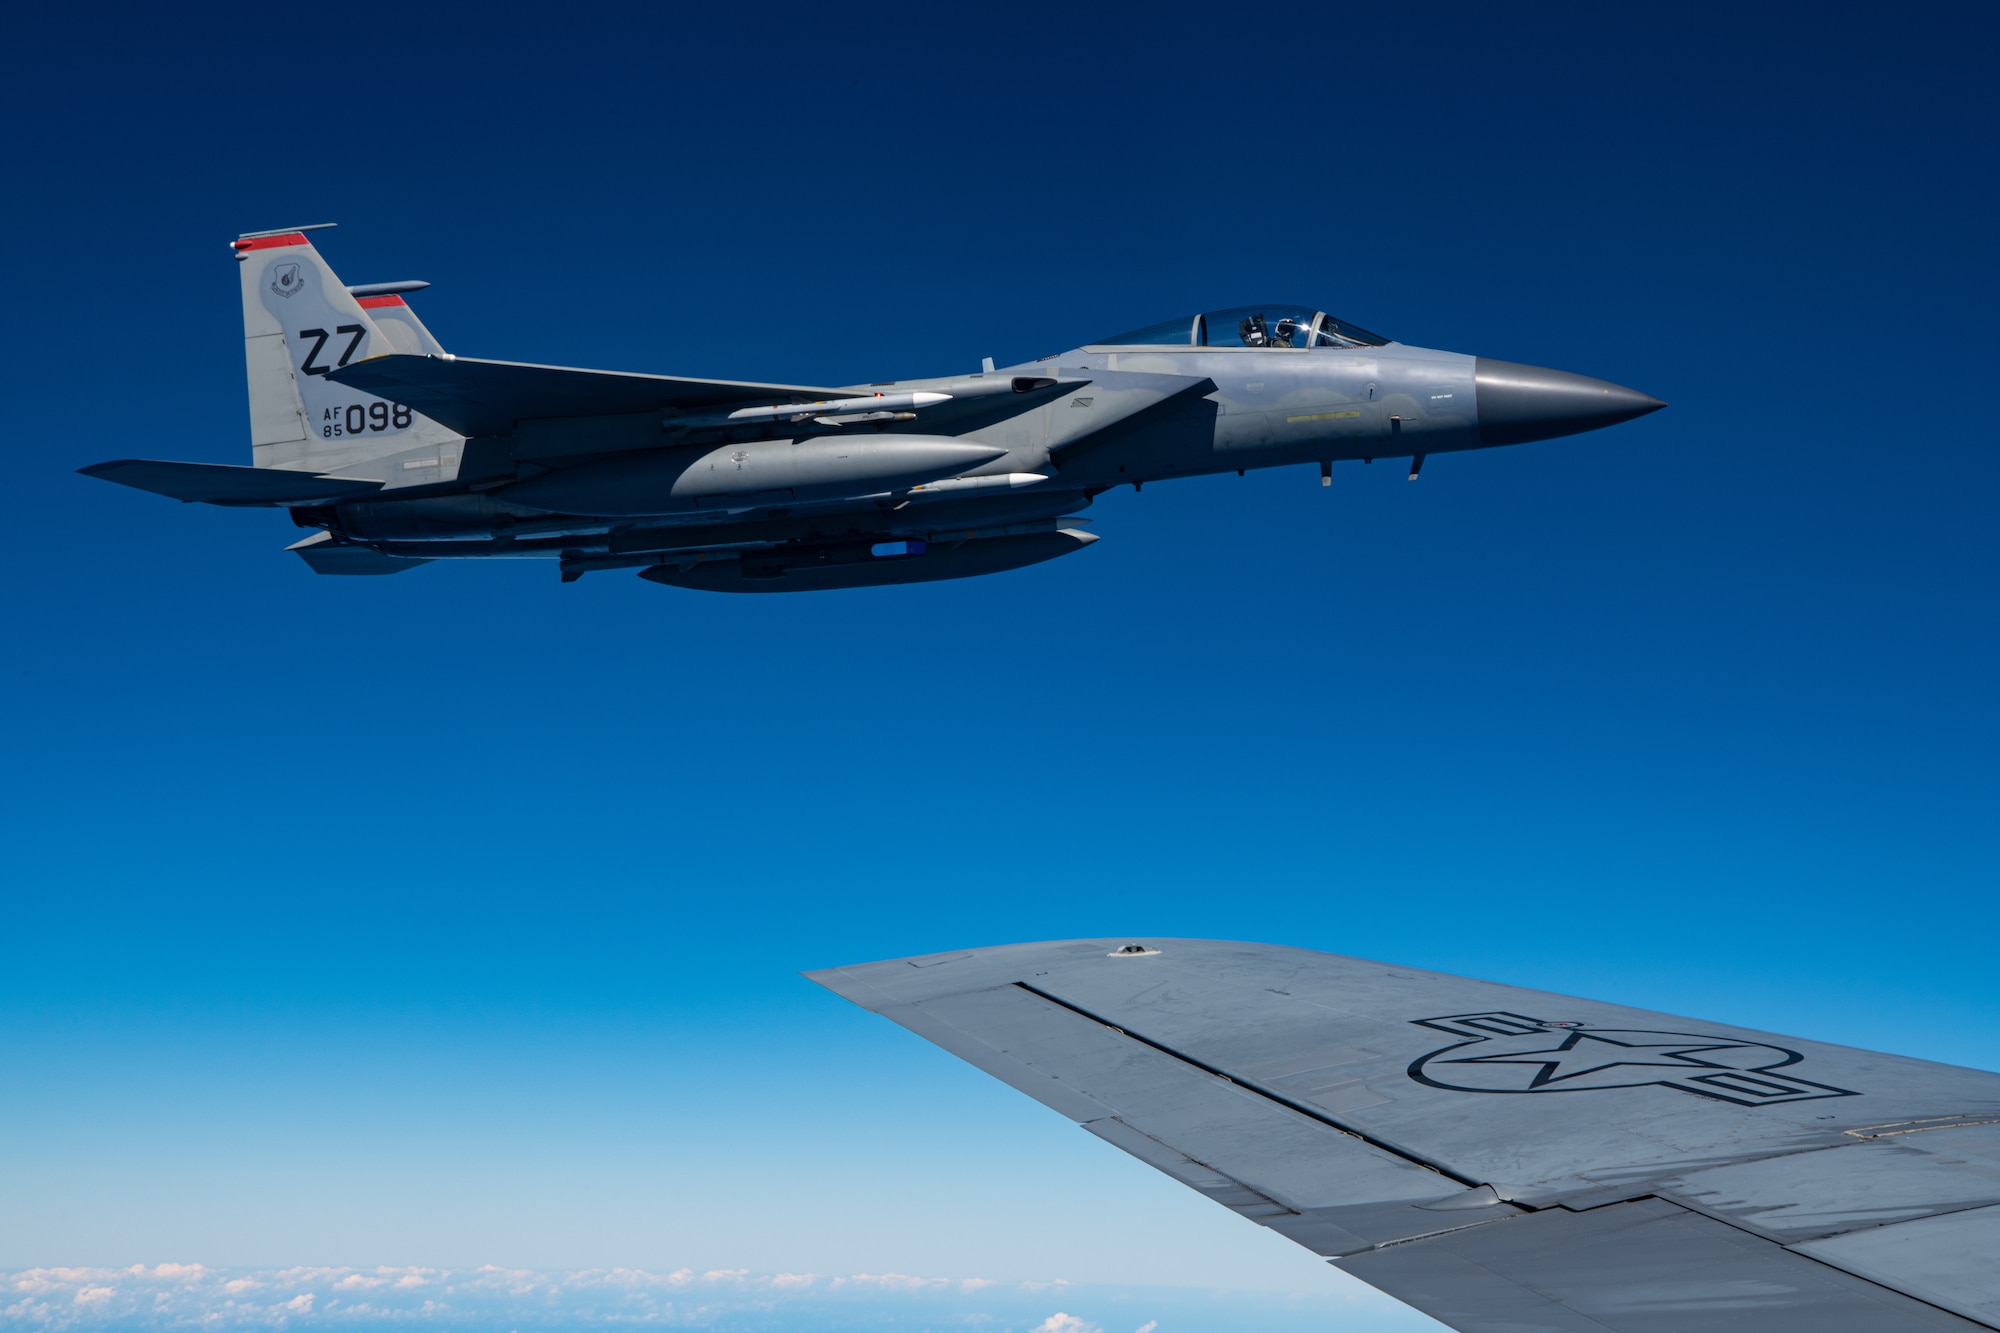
[(1696, 1210), (1880, 1285), (1257, 1089)]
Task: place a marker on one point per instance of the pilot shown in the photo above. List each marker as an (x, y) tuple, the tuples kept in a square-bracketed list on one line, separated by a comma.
[(1255, 332)]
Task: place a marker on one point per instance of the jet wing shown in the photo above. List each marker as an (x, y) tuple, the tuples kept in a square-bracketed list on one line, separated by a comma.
[(222, 484), (487, 397), (1502, 1159)]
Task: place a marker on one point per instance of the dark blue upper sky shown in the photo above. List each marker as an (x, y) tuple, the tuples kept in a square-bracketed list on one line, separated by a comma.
[(470, 873)]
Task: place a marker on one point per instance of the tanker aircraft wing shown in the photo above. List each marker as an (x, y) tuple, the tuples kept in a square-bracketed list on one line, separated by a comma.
[(476, 397), (1502, 1159)]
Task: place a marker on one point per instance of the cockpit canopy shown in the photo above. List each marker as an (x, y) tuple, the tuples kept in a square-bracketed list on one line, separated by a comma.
[(1273, 324)]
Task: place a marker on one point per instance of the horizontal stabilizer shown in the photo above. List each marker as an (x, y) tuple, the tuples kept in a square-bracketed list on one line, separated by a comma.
[(221, 484), (488, 397)]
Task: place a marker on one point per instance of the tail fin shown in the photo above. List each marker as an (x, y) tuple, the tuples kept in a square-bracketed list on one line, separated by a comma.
[(393, 317), (299, 322)]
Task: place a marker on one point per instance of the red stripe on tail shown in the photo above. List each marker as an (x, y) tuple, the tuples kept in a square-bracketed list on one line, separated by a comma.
[(272, 242)]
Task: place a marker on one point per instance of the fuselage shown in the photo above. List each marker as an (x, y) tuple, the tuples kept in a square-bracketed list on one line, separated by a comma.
[(1002, 448)]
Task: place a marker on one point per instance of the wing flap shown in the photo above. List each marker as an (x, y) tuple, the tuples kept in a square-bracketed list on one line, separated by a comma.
[(1800, 1196), (1328, 1231), (476, 397), (1641, 1267), (1948, 1260)]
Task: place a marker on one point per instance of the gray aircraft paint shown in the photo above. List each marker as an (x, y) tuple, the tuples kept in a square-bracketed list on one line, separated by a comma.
[(299, 325), (1504, 1159), (754, 473), (406, 454)]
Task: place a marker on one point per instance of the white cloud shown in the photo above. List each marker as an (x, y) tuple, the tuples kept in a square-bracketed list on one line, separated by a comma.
[(42, 1280), (627, 1279), (895, 1281), (1065, 1323), (173, 1272), (1147, 1327), (175, 1297)]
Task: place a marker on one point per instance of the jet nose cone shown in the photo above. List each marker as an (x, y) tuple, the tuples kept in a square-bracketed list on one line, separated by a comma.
[(1521, 403)]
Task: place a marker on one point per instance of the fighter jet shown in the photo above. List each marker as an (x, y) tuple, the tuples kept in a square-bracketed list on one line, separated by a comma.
[(396, 453), (1505, 1160)]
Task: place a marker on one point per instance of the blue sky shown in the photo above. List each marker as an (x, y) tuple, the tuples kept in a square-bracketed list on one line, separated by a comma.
[(455, 919)]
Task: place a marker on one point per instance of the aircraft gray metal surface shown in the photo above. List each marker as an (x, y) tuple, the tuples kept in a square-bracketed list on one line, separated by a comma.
[(397, 453), (1505, 1160)]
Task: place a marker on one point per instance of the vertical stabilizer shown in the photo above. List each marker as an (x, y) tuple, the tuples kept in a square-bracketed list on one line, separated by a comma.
[(394, 319), (299, 322)]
